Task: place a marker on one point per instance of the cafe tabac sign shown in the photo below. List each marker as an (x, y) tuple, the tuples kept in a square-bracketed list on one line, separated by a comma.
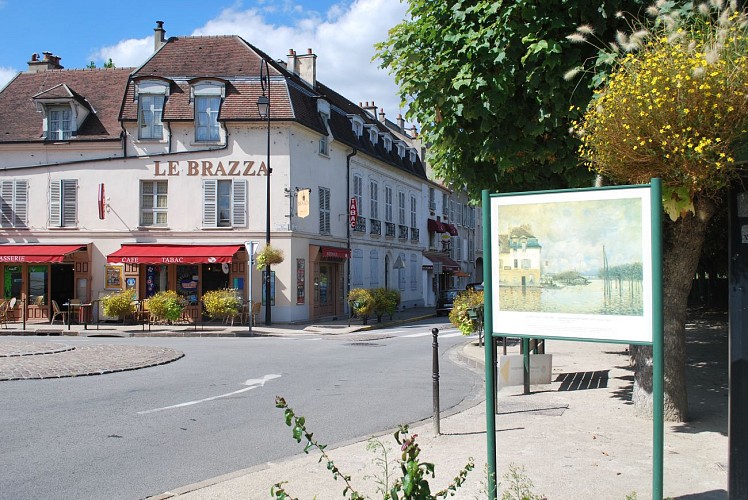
[(208, 168)]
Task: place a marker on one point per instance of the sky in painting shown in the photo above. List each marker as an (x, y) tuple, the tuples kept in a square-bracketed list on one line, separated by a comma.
[(572, 234), (341, 34)]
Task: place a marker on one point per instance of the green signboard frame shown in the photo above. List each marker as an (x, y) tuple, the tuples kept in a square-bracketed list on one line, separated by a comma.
[(651, 307)]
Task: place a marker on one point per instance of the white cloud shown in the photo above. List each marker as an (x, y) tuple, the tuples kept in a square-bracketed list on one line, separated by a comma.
[(343, 40), (6, 74)]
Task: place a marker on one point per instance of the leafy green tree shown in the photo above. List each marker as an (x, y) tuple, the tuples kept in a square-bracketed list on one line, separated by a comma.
[(485, 81), (675, 107)]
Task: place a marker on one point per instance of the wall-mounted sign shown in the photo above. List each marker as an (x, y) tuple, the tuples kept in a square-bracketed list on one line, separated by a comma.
[(208, 168), (113, 277), (303, 202), (353, 212)]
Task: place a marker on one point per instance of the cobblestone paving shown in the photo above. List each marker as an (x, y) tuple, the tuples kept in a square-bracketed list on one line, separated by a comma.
[(25, 360)]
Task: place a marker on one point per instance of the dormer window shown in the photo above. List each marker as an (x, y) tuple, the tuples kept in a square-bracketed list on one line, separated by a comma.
[(207, 98), (373, 134), (151, 95), (63, 110), (387, 139), (323, 108), (357, 125), (400, 149), (413, 155)]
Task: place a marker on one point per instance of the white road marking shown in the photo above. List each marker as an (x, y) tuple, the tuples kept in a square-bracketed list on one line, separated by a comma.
[(441, 335), (252, 383)]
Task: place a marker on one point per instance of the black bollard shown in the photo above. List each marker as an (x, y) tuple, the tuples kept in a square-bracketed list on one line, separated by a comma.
[(435, 378)]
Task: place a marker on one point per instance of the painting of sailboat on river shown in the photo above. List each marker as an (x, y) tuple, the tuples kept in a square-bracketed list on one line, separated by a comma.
[(577, 257)]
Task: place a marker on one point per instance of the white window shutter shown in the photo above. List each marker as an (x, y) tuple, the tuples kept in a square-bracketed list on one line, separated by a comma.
[(210, 208), (239, 210), (55, 203), (6, 211), (70, 203), (22, 203)]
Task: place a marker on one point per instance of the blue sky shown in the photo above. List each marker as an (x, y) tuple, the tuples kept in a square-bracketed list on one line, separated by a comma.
[(341, 33)]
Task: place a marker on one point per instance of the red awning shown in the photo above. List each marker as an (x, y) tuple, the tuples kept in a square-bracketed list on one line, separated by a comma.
[(447, 264), (451, 229), (36, 253), (335, 253), (173, 254), (435, 226)]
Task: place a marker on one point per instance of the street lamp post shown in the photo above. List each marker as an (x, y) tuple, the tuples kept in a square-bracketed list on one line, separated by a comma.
[(263, 106)]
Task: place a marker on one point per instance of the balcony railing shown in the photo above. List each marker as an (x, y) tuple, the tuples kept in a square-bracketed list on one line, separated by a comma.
[(402, 232), (375, 226), (389, 229), (360, 226), (414, 234)]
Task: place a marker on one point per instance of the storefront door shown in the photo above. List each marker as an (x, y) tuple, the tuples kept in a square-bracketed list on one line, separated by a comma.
[(325, 290)]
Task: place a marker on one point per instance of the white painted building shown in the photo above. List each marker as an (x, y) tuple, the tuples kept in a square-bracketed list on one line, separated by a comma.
[(154, 178)]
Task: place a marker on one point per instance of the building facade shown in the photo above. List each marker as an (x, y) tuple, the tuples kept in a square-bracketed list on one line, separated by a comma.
[(155, 178)]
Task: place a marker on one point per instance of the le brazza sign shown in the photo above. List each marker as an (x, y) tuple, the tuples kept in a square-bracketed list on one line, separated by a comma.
[(173, 254)]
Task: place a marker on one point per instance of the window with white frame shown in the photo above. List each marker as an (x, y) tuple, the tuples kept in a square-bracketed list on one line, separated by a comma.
[(401, 208), (14, 203), (413, 211), (59, 123), (63, 203), (373, 268), (357, 267), (458, 214), (357, 125), (445, 205), (373, 136), (224, 203), (206, 118), (374, 200), (153, 203), (388, 204), (207, 98), (413, 272), (151, 108), (400, 149), (324, 210), (387, 142), (413, 155), (452, 212), (324, 141), (432, 199), (457, 242), (358, 193), (471, 251)]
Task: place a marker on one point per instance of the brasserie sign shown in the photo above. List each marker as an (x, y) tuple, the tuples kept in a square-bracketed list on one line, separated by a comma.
[(208, 168)]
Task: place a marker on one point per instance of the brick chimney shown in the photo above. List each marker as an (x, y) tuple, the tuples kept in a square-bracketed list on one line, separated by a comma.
[(372, 110), (304, 65), (47, 62), (401, 123), (159, 36)]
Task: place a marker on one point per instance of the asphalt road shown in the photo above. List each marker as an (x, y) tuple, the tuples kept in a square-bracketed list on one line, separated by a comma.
[(133, 434)]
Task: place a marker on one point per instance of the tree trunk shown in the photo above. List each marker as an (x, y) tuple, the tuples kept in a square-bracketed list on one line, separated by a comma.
[(682, 242)]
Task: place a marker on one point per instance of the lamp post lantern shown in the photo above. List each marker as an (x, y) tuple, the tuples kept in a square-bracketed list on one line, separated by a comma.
[(263, 106)]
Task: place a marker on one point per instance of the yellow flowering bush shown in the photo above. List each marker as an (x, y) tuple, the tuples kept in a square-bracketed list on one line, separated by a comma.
[(119, 304), (222, 304), (268, 256), (675, 108)]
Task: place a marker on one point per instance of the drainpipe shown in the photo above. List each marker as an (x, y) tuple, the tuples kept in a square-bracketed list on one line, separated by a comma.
[(348, 230)]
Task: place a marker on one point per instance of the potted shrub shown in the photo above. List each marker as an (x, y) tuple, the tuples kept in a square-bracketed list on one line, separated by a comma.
[(268, 256), (361, 303), (119, 304), (385, 302), (467, 312), (222, 304), (166, 306)]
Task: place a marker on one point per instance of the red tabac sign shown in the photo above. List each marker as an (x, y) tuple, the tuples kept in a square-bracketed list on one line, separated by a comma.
[(353, 211)]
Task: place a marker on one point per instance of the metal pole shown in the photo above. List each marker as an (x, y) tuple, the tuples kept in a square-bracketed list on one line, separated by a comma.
[(658, 353), (267, 214), (23, 312), (526, 365), (435, 378), (489, 347), (250, 247)]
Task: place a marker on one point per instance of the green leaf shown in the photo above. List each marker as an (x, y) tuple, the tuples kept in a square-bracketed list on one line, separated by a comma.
[(297, 433)]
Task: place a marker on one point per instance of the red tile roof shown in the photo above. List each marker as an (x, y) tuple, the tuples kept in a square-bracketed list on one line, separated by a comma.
[(102, 89)]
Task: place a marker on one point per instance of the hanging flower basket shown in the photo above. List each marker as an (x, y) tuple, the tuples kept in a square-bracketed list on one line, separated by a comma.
[(268, 256)]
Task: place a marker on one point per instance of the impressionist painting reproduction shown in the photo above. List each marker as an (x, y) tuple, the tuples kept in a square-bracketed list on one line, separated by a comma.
[(571, 261)]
